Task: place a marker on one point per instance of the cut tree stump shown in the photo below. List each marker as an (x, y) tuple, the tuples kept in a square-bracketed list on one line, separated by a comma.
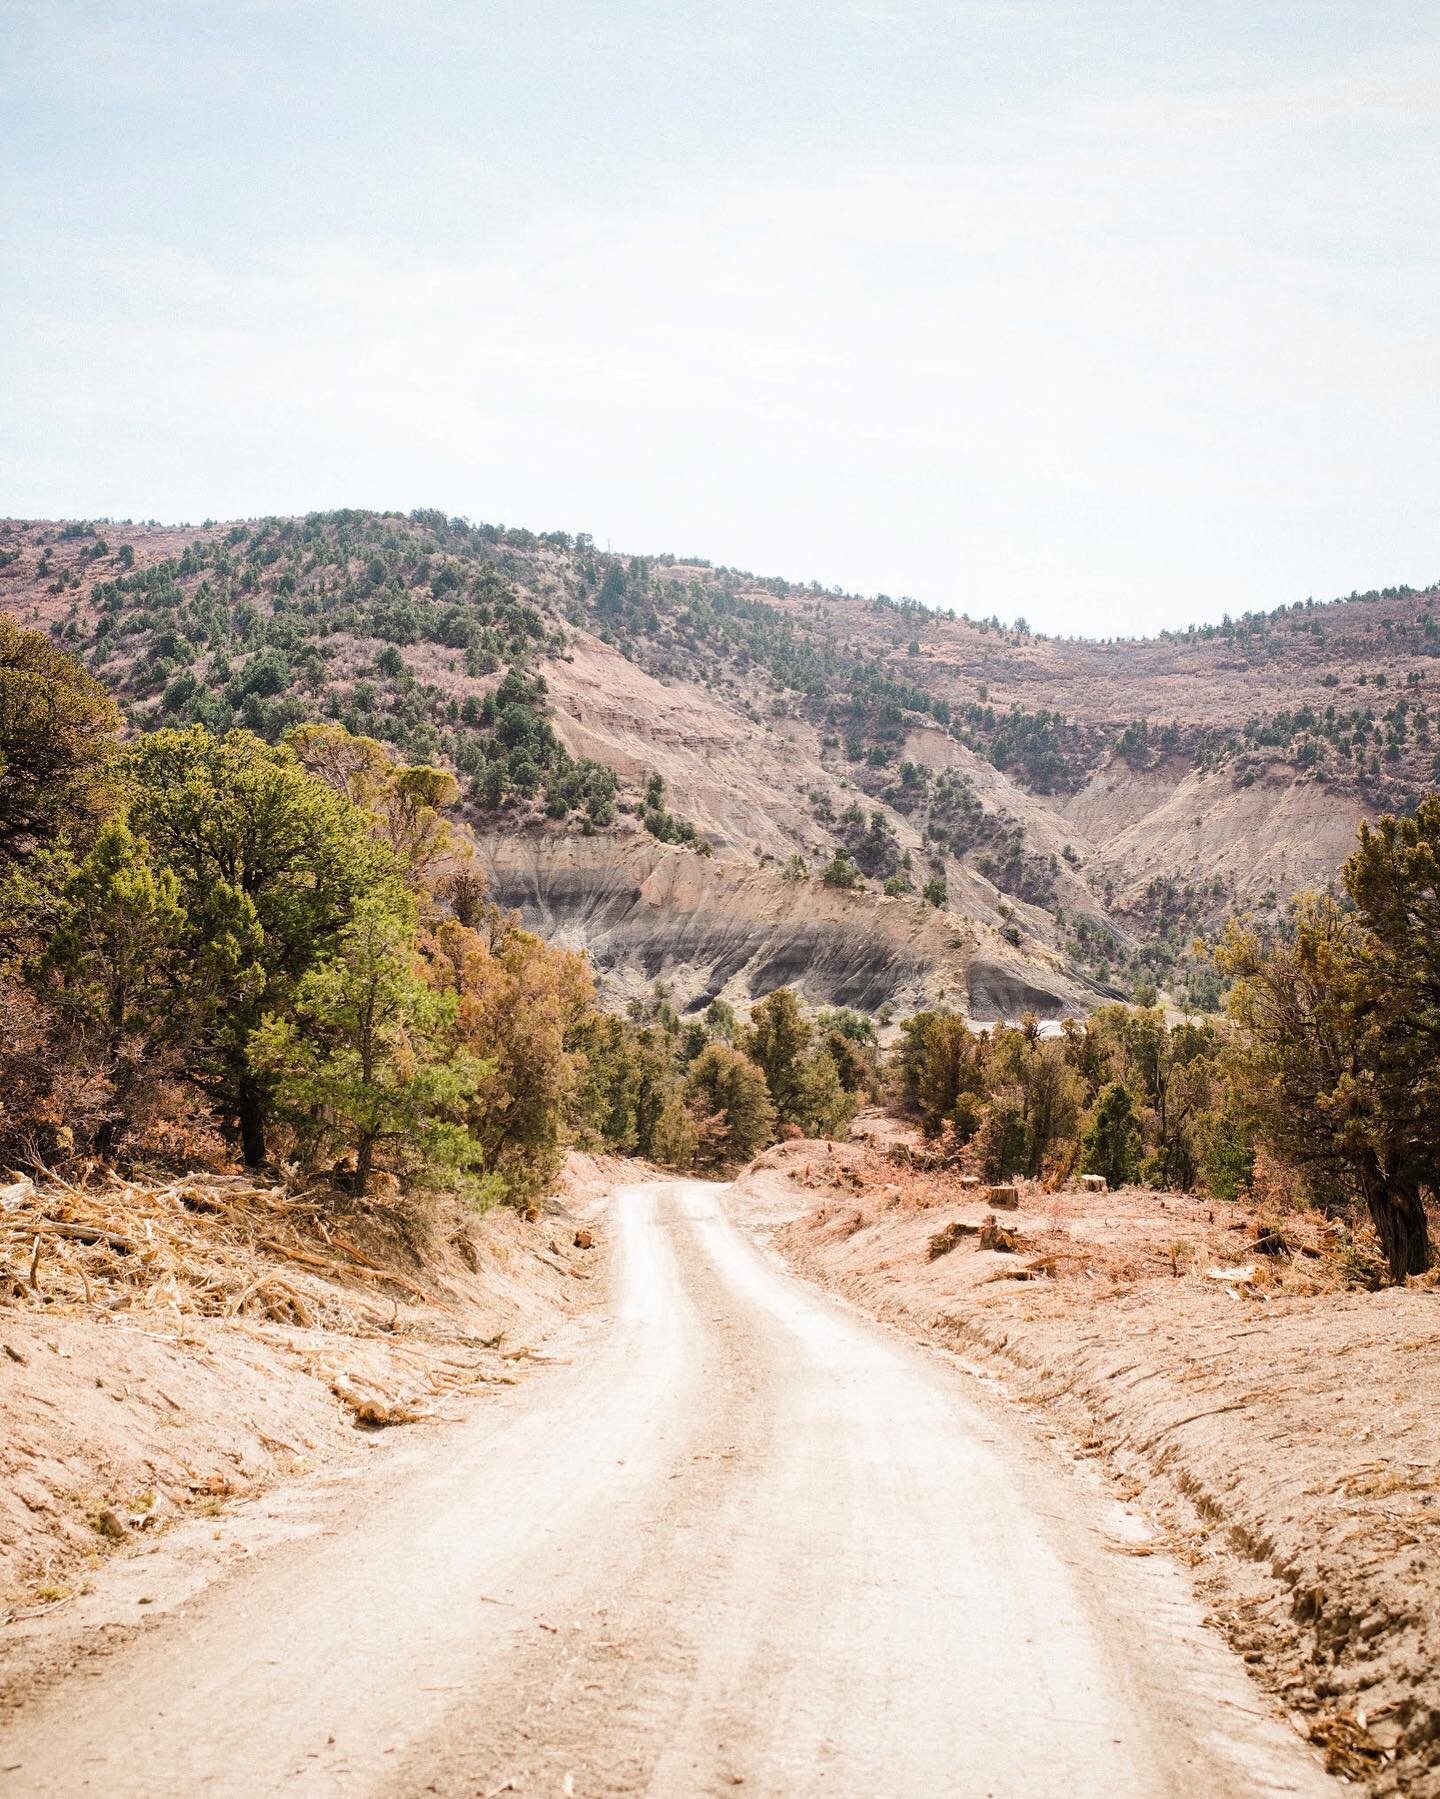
[(994, 1235), (945, 1240), (1007, 1197), (1094, 1183)]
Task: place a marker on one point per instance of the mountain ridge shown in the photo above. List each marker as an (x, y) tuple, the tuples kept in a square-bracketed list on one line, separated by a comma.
[(1073, 813)]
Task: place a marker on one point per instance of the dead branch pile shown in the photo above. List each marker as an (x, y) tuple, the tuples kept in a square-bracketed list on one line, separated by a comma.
[(201, 1245)]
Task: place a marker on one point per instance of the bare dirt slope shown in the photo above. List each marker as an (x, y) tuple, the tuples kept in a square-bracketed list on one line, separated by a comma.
[(738, 1538), (1277, 837), (712, 928), (783, 718), (166, 1348), (1279, 1429)]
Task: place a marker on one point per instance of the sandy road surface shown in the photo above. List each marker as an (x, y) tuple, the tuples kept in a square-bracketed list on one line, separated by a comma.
[(740, 1541)]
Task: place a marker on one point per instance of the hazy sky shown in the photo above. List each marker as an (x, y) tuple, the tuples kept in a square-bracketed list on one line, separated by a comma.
[(1110, 313)]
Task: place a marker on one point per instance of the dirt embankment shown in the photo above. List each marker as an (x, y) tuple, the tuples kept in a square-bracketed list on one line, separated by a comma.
[(1278, 1427), (166, 1347)]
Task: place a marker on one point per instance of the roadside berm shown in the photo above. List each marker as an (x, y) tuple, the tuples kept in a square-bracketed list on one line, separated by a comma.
[(170, 1345), (1229, 1373)]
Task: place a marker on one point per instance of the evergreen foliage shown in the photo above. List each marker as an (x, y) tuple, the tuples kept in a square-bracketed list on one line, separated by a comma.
[(1340, 1033), (56, 742), (362, 1058), (1111, 1143)]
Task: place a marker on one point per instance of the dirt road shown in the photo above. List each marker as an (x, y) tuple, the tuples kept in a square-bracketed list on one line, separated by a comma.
[(738, 1540)]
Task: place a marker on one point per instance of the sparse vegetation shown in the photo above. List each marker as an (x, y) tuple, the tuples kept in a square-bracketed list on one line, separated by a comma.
[(1340, 1023), (366, 683), (232, 941)]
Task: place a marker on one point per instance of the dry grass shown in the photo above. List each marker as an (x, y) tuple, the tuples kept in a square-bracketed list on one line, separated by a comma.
[(209, 1245), (199, 1337)]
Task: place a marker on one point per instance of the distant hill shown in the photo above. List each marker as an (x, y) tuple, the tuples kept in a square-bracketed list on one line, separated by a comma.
[(1007, 821)]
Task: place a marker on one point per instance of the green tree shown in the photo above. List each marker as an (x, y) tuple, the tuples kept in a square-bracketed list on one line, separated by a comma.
[(720, 1020), (1003, 1141), (113, 969), (1338, 1035), (1090, 1050), (1227, 1147), (1044, 1091), (1393, 878), (363, 1055), (1111, 1142), (840, 871), (271, 864), (778, 1041), (727, 1092), (1174, 1069), (942, 1073), (56, 744), (675, 1139), (603, 1101), (655, 1080), (849, 1037), (824, 1109)]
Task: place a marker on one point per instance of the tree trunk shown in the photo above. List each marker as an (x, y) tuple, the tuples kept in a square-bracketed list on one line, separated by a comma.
[(364, 1157), (1398, 1214), (250, 1110), (123, 1081)]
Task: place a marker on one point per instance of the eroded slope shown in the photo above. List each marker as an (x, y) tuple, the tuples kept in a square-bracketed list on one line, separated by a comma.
[(1085, 808)]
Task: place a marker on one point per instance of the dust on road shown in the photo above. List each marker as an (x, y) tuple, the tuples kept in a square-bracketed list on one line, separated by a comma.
[(737, 1540)]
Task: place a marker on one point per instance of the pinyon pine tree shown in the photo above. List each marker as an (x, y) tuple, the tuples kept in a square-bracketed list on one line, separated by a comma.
[(1339, 1034), (363, 1059), (112, 969), (271, 863), (1111, 1143)]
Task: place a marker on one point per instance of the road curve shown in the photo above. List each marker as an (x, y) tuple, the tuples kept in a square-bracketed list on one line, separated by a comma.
[(742, 1540)]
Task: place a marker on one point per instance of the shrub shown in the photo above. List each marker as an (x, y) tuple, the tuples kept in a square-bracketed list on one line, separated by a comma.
[(732, 1105), (1111, 1142), (841, 871), (363, 1057)]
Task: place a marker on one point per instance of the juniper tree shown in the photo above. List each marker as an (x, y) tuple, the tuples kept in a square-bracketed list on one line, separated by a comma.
[(363, 1058), (271, 865)]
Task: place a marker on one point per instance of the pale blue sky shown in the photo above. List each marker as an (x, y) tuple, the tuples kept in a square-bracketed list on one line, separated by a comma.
[(1115, 315)]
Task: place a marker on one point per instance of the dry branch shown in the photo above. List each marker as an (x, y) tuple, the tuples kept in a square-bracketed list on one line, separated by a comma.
[(203, 1244)]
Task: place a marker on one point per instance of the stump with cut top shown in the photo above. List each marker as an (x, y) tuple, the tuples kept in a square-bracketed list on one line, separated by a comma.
[(1003, 1196), (996, 1236)]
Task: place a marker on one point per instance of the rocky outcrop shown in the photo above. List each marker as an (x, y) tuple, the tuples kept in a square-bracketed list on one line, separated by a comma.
[(645, 911), (994, 992)]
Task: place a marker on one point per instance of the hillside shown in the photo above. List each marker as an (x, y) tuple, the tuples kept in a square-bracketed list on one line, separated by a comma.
[(1008, 821), (1200, 1250)]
